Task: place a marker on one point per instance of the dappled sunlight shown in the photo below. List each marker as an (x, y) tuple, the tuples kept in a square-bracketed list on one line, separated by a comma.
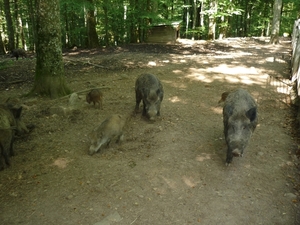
[(175, 99), (151, 63), (202, 157), (233, 70), (61, 162), (188, 181), (284, 90), (283, 86), (177, 71), (231, 74), (169, 182), (270, 59), (217, 110), (176, 85)]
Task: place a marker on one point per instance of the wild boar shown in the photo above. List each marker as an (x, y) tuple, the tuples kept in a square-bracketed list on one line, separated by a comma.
[(18, 53), (10, 124), (95, 96), (111, 128), (149, 89), (240, 119)]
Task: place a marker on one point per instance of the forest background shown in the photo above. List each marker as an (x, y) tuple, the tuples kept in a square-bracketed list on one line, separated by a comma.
[(95, 23)]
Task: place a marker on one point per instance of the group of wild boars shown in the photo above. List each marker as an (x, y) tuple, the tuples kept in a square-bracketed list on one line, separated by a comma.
[(18, 53), (110, 129), (240, 116), (10, 125), (240, 119), (149, 89)]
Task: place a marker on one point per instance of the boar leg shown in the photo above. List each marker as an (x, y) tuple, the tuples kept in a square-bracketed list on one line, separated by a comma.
[(229, 157)]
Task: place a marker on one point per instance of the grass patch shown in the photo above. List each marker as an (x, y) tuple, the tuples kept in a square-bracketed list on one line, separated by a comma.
[(5, 64)]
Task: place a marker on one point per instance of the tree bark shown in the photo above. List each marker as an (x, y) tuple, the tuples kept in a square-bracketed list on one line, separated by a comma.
[(212, 20), (2, 46), (277, 7), (49, 75), (93, 41), (31, 25), (9, 24)]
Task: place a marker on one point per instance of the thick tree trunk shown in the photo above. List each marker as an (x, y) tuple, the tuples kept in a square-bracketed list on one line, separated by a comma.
[(276, 22), (10, 27), (93, 41), (49, 75)]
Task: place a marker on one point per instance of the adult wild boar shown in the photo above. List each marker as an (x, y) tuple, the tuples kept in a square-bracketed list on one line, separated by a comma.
[(19, 52), (240, 119), (149, 89), (10, 123)]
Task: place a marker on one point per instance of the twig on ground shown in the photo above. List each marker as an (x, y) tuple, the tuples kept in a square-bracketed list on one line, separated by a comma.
[(87, 62)]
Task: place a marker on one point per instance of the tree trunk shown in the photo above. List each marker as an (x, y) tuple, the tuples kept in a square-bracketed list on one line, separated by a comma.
[(93, 41), (194, 18), (106, 25), (31, 25), (9, 24), (276, 22), (49, 75), (2, 46), (17, 24), (212, 20)]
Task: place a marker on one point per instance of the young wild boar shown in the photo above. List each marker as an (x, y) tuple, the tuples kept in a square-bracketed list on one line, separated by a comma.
[(240, 119), (95, 96), (109, 129), (18, 53), (149, 89), (10, 123)]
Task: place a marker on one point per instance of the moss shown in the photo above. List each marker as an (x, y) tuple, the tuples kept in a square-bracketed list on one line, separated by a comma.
[(49, 75)]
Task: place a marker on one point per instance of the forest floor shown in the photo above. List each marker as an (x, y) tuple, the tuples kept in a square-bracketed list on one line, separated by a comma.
[(171, 171)]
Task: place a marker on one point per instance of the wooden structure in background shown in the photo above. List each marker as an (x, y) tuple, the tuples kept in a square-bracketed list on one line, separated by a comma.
[(167, 34)]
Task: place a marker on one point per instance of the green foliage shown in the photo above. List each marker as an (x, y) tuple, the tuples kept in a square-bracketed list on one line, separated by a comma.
[(196, 34), (290, 12), (124, 21), (5, 64), (73, 22)]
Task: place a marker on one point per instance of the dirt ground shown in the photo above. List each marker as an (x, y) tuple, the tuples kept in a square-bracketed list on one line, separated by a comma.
[(171, 171)]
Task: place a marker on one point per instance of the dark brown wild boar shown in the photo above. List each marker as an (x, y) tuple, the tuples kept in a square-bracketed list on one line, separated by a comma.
[(10, 124), (95, 96), (18, 53)]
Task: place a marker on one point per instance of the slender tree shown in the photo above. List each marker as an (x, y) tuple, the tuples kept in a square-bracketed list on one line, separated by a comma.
[(2, 46), (49, 75), (277, 7), (212, 20)]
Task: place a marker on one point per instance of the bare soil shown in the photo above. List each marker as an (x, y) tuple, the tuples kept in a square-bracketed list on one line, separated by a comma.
[(171, 171)]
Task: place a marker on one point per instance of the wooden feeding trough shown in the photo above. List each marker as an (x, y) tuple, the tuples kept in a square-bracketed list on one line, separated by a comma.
[(166, 34)]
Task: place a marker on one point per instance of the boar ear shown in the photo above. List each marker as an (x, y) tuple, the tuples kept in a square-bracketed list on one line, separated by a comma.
[(251, 114), (157, 91)]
